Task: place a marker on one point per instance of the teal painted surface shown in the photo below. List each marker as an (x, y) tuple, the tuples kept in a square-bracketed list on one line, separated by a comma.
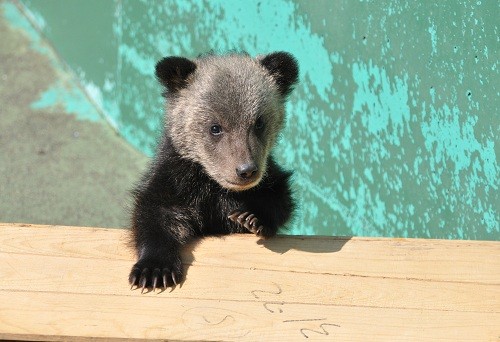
[(393, 130), (63, 93), (72, 100)]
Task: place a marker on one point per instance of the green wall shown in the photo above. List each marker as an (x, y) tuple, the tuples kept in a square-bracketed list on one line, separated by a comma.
[(393, 130)]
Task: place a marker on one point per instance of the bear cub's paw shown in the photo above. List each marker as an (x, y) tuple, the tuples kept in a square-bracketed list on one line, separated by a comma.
[(249, 221), (154, 272)]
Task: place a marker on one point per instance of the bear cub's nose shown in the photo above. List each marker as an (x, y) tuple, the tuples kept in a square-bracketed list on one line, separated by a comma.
[(246, 171)]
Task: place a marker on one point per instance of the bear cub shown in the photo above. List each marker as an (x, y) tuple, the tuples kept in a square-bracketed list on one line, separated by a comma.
[(213, 172)]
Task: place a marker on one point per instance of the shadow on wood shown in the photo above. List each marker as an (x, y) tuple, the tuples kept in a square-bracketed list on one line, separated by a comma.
[(316, 244)]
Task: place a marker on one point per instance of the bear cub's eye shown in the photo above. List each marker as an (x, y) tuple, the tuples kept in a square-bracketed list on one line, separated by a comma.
[(259, 123), (215, 129)]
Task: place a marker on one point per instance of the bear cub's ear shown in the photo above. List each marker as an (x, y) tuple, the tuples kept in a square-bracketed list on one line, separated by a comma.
[(284, 69), (173, 72)]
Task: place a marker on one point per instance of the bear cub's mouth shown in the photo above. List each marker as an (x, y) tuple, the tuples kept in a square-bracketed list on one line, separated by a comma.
[(242, 184)]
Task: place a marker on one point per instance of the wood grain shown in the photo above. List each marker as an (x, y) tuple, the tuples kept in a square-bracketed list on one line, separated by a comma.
[(62, 283)]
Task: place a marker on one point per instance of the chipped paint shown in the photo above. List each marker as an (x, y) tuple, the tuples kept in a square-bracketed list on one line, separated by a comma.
[(65, 93), (71, 99)]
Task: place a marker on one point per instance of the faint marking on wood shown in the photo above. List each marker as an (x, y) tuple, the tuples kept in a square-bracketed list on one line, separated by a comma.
[(322, 327), (268, 304), (278, 291)]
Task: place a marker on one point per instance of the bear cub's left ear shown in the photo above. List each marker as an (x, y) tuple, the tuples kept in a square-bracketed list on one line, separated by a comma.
[(284, 69), (173, 72)]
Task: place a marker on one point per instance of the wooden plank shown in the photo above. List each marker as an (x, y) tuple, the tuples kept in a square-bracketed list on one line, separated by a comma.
[(211, 282), (65, 241), (47, 314), (452, 260), (62, 283)]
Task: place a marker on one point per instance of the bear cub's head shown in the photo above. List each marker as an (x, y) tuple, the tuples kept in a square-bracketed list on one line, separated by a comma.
[(225, 112)]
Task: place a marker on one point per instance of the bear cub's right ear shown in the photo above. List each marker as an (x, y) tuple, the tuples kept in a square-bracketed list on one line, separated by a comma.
[(173, 72)]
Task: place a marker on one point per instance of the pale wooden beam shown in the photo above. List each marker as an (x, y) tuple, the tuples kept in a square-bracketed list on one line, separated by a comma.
[(60, 283)]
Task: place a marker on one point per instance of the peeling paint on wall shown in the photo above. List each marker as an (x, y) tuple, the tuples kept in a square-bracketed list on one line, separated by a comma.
[(393, 130), (63, 93)]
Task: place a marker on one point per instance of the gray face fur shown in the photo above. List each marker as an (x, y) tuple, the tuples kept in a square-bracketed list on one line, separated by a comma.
[(241, 98)]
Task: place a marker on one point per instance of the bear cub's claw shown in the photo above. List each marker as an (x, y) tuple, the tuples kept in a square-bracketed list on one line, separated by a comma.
[(247, 220), (153, 274)]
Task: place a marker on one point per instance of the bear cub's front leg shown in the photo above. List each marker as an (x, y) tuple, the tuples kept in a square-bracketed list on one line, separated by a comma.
[(159, 232)]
